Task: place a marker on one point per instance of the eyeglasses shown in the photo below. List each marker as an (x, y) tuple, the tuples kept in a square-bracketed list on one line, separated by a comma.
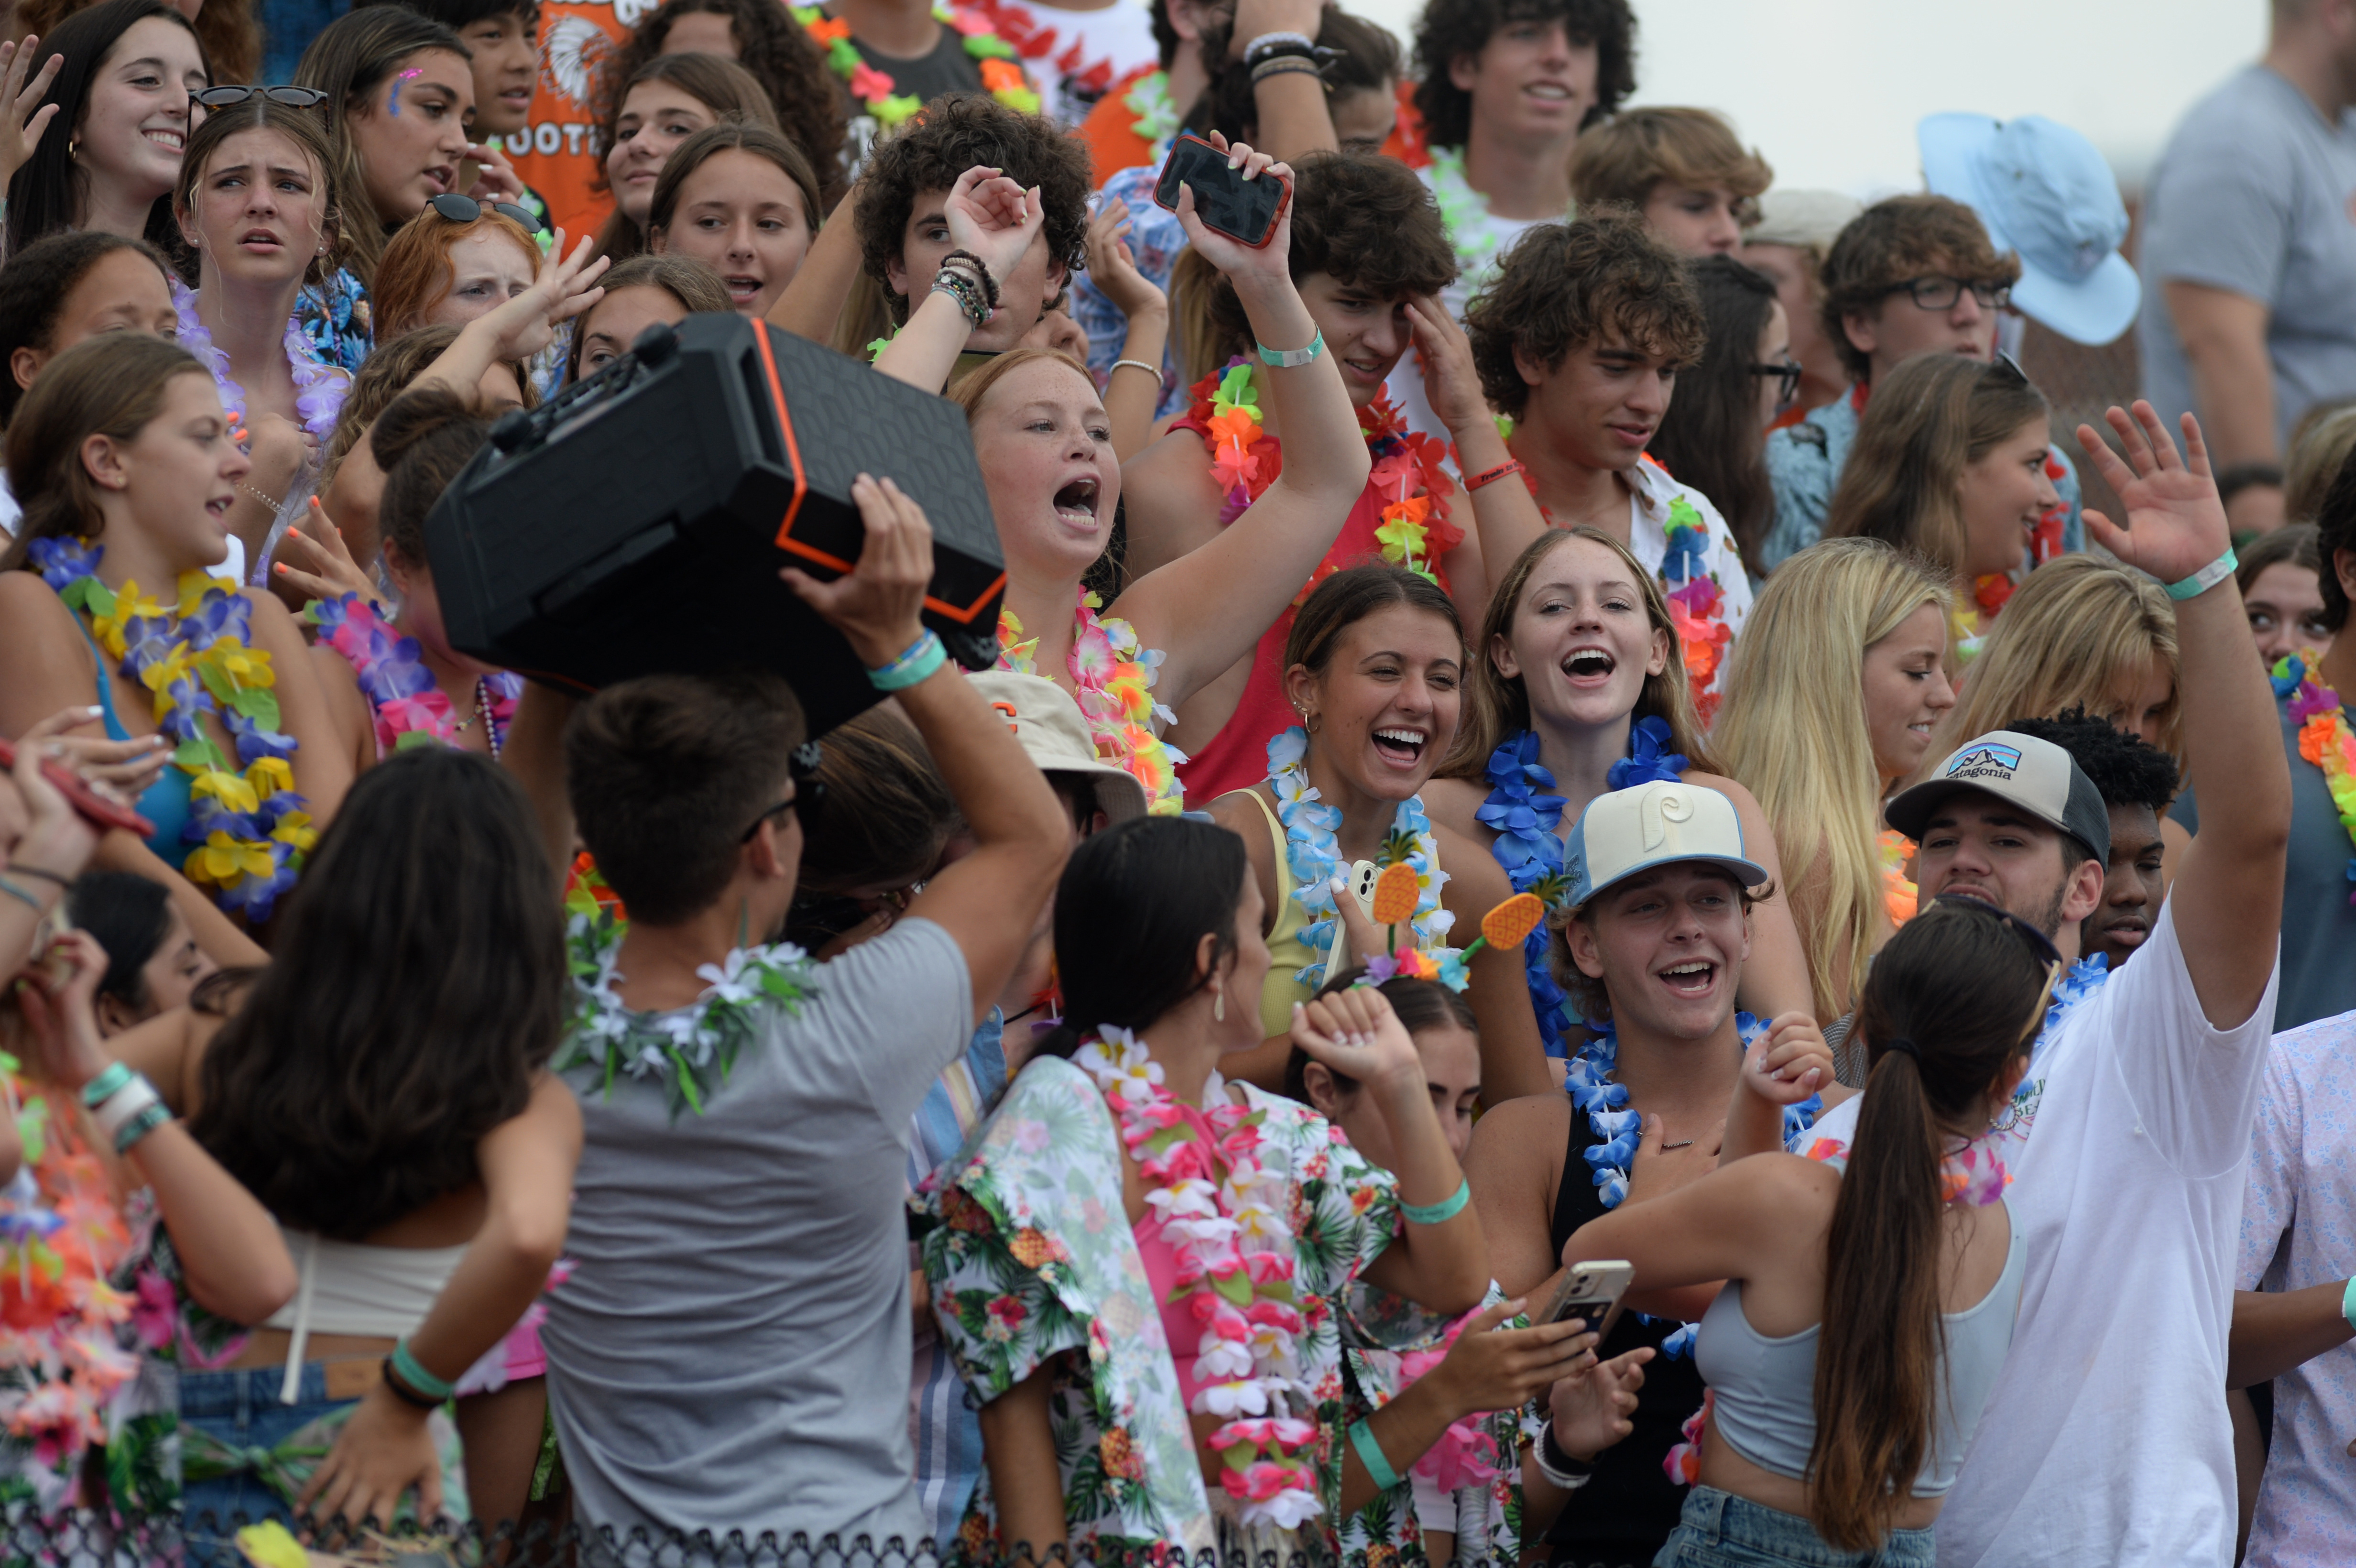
[(466, 210), (293, 97), (1936, 293), (1790, 371), (2038, 943), (2008, 369), (809, 790)]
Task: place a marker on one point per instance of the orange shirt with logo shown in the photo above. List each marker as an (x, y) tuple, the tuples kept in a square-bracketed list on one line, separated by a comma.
[(556, 154)]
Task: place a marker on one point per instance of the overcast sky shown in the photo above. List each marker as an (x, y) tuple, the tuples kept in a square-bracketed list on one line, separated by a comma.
[(1830, 89)]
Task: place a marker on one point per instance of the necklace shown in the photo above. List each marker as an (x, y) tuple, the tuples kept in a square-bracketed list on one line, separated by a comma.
[(408, 705), (1112, 678), (1314, 853), (247, 824), (1001, 77), (1464, 214), (1157, 116), (690, 1049), (1530, 850), (2324, 738), (1226, 1217), (319, 388)]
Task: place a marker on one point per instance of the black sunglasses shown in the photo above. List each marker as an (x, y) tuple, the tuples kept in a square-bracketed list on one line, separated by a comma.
[(466, 210), (293, 97), (808, 789), (1789, 371), (2039, 943)]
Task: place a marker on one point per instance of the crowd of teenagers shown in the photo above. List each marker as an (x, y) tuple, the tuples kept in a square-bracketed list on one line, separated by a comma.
[(1561, 719)]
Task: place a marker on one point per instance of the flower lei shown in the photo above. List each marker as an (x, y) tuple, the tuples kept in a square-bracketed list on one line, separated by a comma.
[(1314, 856), (691, 1050), (411, 709), (1157, 116), (2324, 738), (1527, 849), (1226, 1218), (1244, 461), (1465, 1454), (1001, 77), (319, 388), (1112, 677), (1462, 214), (249, 827)]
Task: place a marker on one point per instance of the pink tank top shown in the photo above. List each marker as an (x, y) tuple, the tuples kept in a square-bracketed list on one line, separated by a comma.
[(1178, 1325)]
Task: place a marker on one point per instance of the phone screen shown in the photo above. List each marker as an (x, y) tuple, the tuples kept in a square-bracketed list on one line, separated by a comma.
[(1242, 210)]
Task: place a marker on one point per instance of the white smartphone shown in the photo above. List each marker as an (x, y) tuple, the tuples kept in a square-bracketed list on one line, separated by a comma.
[(1591, 1290), (1362, 886)]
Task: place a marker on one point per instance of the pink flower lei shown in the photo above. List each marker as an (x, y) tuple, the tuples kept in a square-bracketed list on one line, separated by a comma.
[(409, 707), (1112, 678), (319, 388), (1225, 1216)]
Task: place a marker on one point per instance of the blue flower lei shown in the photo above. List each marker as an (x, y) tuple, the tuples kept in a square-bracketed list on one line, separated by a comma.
[(1525, 821), (1314, 856), (1588, 1082)]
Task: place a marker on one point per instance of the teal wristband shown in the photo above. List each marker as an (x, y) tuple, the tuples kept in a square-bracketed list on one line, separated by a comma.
[(1438, 1213), (1292, 359), (1370, 1453), (2208, 577), (2348, 1304), (917, 664), (416, 1376), (140, 1126), (21, 896), (96, 1093)]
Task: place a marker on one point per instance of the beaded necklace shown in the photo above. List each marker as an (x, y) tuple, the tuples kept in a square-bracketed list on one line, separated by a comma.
[(1112, 678), (690, 1050), (1314, 853), (247, 824), (409, 705), (2324, 738), (319, 388), (1001, 77)]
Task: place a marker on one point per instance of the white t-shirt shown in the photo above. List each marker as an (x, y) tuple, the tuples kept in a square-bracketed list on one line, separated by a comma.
[(1090, 50), (2106, 1439)]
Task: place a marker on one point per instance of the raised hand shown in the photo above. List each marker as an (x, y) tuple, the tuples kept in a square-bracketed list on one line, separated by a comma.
[(21, 124), (1113, 266), (566, 286), (59, 1004), (1356, 1033), (1592, 1408), (877, 607), (332, 572), (1246, 266), (2176, 523), (1789, 1062), (1445, 356), (496, 180), (995, 218)]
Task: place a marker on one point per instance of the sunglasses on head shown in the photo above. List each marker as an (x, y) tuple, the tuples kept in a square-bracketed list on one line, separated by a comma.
[(809, 790), (466, 210), (293, 97), (2039, 945)]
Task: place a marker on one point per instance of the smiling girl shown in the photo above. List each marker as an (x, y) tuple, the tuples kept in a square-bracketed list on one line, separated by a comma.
[(743, 199), (105, 147), (255, 204), (666, 101)]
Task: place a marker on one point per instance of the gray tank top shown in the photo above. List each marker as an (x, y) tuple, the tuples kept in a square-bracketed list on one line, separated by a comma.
[(1766, 1388)]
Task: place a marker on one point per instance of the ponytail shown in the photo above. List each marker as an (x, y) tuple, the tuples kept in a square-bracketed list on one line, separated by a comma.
[(1949, 1002)]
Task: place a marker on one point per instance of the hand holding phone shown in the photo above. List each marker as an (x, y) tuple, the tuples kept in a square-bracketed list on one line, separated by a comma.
[(1236, 192), (92, 808), (1591, 1290)]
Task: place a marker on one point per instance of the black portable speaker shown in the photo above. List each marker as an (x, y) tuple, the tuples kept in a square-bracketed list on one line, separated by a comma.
[(635, 522)]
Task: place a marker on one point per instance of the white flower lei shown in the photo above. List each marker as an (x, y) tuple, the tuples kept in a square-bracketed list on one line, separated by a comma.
[(1227, 1226), (689, 1050), (1315, 856)]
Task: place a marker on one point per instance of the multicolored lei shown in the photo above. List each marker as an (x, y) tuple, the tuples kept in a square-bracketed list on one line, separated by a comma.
[(1112, 677), (1002, 77), (2324, 738)]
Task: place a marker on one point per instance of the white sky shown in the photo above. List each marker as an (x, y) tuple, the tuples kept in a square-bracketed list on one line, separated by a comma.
[(1830, 89)]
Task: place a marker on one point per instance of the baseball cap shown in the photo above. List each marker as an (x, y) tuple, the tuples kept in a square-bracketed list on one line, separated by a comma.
[(2049, 197), (1625, 831), (1055, 737), (2036, 776)]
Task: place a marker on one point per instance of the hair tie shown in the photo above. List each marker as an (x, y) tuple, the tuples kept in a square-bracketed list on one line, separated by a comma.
[(1906, 1047)]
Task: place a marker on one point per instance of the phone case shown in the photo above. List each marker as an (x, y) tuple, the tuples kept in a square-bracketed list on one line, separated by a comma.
[(1222, 216), (94, 807)]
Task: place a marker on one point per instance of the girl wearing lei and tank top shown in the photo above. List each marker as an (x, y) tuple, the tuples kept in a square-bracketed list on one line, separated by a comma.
[(1583, 690), (1045, 450)]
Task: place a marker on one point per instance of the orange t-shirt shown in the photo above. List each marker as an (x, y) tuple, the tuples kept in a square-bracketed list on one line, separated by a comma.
[(555, 155), (1109, 131)]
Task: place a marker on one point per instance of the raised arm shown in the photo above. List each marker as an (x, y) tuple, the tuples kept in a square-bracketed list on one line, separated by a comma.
[(1207, 608), (821, 284), (1131, 394), (2227, 900), (989, 900), (1293, 118), (1505, 515), (990, 217), (1783, 1067), (526, 324)]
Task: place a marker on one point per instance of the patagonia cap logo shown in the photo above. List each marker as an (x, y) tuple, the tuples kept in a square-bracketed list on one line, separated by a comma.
[(1988, 760)]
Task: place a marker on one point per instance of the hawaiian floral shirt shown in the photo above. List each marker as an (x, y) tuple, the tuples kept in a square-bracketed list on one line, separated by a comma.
[(334, 316), (1034, 1264)]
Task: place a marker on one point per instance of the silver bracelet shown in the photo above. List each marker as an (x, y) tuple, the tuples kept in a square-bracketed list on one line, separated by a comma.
[(1270, 41), (1562, 1478), (1152, 370)]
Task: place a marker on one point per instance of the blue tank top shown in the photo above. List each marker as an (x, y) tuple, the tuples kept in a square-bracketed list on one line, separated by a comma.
[(164, 803)]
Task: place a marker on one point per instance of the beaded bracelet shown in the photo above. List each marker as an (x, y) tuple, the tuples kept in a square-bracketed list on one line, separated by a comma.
[(1152, 370), (966, 294), (1271, 44), (1284, 65), (980, 273)]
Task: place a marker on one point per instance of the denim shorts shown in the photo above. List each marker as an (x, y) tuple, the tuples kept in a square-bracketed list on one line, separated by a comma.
[(241, 1408), (1719, 1529)]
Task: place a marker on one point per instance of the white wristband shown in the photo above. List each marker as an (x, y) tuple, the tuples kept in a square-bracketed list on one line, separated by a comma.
[(117, 1109)]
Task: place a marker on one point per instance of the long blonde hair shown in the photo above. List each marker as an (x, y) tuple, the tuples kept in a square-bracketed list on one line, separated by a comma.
[(2075, 632), (1792, 732), (1495, 706)]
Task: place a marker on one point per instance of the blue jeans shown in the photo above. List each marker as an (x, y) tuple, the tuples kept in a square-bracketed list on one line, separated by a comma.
[(1719, 1529), (240, 1409)]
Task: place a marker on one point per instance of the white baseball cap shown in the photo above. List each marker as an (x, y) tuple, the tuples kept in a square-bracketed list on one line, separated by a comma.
[(1630, 830), (1055, 736)]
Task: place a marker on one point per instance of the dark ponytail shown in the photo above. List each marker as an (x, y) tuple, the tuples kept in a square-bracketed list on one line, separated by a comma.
[(421, 441), (1135, 902), (1949, 1003)]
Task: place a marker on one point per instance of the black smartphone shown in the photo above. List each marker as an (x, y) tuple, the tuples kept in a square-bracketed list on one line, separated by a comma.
[(1244, 210)]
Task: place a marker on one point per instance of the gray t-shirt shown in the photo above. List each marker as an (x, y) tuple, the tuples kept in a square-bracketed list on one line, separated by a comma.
[(2254, 195), (731, 1351), (2318, 924)]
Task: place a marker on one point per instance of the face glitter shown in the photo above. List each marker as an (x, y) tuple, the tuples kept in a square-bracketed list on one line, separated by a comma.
[(393, 102)]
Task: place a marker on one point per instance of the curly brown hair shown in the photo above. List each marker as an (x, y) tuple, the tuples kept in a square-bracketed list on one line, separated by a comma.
[(959, 131), (1567, 284), (1454, 29), (773, 46), (1363, 219), (1891, 241)]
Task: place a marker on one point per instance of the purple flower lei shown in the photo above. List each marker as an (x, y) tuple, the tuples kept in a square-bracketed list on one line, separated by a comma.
[(319, 388)]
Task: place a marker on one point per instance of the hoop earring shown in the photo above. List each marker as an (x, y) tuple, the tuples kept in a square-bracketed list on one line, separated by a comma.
[(1310, 721)]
